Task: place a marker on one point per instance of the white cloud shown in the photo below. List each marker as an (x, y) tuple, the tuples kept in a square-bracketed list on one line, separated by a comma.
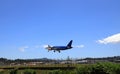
[(44, 46), (41, 46), (111, 39), (22, 49), (79, 46)]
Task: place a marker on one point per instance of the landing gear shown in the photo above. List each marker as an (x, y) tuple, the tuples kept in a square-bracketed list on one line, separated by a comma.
[(59, 51)]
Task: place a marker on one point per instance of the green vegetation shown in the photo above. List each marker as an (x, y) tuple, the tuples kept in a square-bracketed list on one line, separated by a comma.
[(98, 68), (29, 71), (13, 71)]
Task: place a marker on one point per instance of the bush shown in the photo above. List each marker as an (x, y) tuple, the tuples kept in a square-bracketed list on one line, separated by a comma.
[(13, 71), (83, 70), (99, 68), (29, 71)]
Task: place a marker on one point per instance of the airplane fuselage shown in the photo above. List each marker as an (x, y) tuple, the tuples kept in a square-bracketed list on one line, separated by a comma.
[(58, 48)]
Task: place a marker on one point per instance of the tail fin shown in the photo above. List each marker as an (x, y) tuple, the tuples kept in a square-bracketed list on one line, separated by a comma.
[(48, 47), (70, 43)]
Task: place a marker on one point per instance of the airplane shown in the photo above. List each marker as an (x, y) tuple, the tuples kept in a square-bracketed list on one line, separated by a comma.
[(59, 48)]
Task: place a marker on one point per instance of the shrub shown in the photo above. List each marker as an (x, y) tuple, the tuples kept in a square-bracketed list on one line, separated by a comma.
[(83, 70), (99, 68), (29, 71), (13, 71)]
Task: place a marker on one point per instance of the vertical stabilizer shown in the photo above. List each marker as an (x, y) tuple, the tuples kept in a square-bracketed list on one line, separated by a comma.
[(70, 43)]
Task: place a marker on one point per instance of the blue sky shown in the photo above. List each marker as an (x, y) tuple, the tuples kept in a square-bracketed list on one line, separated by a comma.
[(27, 25)]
